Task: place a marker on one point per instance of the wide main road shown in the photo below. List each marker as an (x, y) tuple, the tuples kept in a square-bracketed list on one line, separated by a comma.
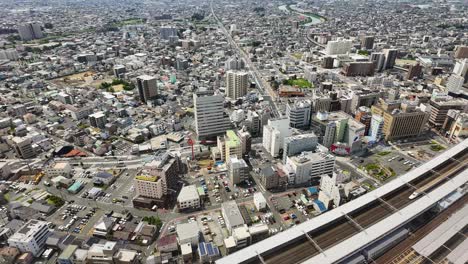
[(337, 231), (262, 84)]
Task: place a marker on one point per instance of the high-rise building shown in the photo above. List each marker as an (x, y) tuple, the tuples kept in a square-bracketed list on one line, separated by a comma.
[(327, 62), (378, 58), (119, 71), (237, 84), (414, 71), (461, 69), (340, 46), (234, 64), (147, 88), (376, 130), (31, 237), (367, 42), (297, 144), (166, 32), (299, 114), (366, 98), (390, 57), (210, 119), (401, 120), (9, 54), (30, 31), (274, 134)]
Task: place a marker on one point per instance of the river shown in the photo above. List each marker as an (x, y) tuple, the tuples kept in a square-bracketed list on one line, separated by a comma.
[(314, 19)]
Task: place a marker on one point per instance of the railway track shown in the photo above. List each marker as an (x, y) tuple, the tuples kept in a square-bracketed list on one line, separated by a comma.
[(327, 236)]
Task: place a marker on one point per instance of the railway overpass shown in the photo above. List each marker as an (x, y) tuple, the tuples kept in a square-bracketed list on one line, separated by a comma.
[(335, 236)]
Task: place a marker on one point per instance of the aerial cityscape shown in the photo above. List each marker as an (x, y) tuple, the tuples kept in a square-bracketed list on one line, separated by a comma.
[(249, 131)]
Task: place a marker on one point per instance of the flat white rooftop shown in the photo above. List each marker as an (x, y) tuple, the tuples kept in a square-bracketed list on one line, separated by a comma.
[(298, 231), (434, 240)]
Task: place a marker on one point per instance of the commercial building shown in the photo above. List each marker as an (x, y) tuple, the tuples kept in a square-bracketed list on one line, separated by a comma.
[(102, 253), (401, 120), (148, 186), (30, 31), (238, 169), (237, 84), (273, 178), (31, 237), (188, 198), (363, 115), (299, 113), (296, 144), (308, 166), (461, 52), (210, 119), (188, 233), (232, 215), (365, 98), (362, 68), (274, 134), (440, 107), (147, 88), (340, 46)]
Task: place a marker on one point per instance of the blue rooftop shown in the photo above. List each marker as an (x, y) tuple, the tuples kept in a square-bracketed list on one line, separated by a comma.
[(320, 205), (313, 190)]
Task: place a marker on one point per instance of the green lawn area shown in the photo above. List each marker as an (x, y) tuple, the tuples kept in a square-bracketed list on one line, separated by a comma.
[(131, 21), (384, 153), (301, 82)]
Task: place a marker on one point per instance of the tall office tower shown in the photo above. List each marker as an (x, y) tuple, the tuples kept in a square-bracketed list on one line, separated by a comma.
[(376, 130), (390, 57), (210, 119), (401, 120), (166, 33), (234, 64), (378, 58), (461, 52), (299, 114), (147, 88), (367, 42), (414, 71), (340, 46), (30, 31), (237, 84), (461, 69)]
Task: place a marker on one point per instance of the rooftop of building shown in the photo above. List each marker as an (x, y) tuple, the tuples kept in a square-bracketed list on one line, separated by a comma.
[(189, 192), (147, 178)]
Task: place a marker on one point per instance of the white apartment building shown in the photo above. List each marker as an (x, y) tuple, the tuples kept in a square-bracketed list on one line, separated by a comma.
[(340, 46), (376, 129), (188, 198), (31, 237), (210, 119), (59, 169), (23, 147), (237, 84), (232, 215), (329, 193), (259, 201), (274, 133), (307, 165), (148, 186), (297, 144)]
